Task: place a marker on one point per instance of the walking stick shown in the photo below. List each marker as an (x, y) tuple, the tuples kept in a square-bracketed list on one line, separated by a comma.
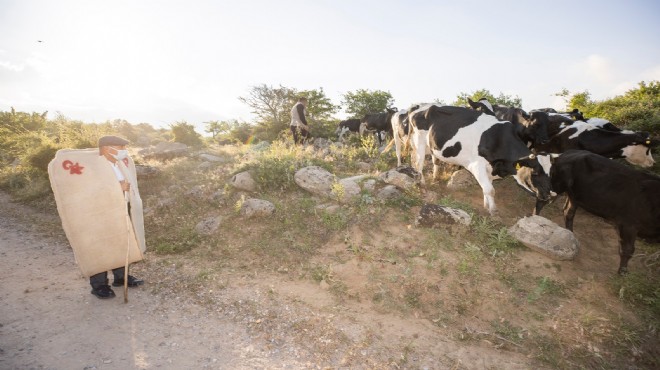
[(128, 248)]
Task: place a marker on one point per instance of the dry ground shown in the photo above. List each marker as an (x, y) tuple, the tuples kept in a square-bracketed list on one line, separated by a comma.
[(364, 307)]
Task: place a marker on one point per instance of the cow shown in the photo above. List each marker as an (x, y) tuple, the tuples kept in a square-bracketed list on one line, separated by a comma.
[(401, 130), (349, 125), (628, 198), (532, 127), (379, 122), (634, 147), (480, 142)]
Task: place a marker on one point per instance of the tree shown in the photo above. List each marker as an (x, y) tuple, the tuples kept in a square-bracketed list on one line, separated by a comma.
[(185, 133), (637, 109), (216, 127), (362, 101), (504, 100), (272, 106)]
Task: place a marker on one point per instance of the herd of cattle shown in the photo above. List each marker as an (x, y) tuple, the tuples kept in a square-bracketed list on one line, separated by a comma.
[(548, 153)]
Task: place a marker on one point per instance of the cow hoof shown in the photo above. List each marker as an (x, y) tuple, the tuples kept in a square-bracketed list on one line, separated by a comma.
[(623, 271)]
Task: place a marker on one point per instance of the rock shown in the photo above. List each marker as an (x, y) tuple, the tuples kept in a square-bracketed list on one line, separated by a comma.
[(349, 190), (460, 179), (243, 181), (196, 191), (208, 225), (145, 172), (257, 208), (433, 215), (315, 180), (328, 208), (404, 177), (389, 192), (205, 166), (211, 158), (165, 150), (546, 237), (369, 185)]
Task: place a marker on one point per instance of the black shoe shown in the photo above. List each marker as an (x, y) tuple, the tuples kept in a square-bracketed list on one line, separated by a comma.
[(103, 292), (132, 282)]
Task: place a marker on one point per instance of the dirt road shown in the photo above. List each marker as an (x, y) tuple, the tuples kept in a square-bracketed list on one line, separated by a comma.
[(49, 319)]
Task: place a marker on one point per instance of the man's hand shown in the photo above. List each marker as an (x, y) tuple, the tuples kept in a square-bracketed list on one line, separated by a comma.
[(125, 185)]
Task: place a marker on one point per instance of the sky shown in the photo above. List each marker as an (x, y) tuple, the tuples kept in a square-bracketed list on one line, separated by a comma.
[(167, 61)]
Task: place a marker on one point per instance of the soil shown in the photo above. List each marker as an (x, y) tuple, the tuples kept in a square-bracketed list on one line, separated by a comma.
[(248, 319), (49, 320)]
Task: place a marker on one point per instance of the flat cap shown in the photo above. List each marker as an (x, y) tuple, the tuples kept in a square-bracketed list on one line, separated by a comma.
[(112, 140)]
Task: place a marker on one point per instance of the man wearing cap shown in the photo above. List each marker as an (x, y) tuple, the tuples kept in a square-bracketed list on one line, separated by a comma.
[(113, 148)]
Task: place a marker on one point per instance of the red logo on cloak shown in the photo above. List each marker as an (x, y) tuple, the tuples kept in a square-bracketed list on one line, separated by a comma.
[(74, 169)]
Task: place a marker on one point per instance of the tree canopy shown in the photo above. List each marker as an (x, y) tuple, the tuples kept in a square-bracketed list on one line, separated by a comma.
[(360, 102), (501, 99)]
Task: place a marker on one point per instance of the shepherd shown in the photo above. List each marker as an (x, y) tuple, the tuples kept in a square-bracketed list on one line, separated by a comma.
[(101, 212)]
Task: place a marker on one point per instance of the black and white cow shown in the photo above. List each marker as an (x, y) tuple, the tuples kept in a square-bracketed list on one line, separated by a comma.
[(401, 130), (349, 125), (532, 127), (379, 122), (627, 197), (480, 142), (635, 147)]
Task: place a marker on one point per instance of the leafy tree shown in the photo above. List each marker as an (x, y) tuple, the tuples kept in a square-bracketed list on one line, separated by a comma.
[(216, 127), (637, 109), (272, 106), (240, 131), (360, 102), (505, 100), (185, 133)]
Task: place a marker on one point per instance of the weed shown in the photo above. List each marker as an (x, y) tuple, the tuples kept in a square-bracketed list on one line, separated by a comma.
[(546, 286)]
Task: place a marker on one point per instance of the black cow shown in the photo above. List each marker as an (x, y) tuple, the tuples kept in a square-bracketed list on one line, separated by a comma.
[(532, 127), (379, 122), (635, 147), (349, 125), (618, 193), (480, 142)]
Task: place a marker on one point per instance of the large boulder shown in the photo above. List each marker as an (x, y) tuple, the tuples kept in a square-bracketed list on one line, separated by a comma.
[(243, 181), (165, 150), (546, 237), (315, 180), (433, 215), (404, 177), (146, 172), (346, 190), (256, 208)]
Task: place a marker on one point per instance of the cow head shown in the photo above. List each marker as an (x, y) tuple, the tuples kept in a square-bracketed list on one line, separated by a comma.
[(483, 105), (536, 130), (532, 176), (639, 153)]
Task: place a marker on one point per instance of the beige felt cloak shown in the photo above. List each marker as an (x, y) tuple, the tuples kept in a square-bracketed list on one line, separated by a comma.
[(92, 208)]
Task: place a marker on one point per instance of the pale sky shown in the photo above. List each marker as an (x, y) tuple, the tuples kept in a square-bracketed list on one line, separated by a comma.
[(163, 61)]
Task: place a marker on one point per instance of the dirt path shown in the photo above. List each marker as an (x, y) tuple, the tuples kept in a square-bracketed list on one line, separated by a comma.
[(49, 319)]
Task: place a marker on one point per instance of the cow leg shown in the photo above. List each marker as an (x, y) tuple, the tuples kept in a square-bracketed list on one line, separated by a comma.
[(569, 213), (627, 235), (420, 153), (539, 206), (481, 174), (436, 167), (397, 145)]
